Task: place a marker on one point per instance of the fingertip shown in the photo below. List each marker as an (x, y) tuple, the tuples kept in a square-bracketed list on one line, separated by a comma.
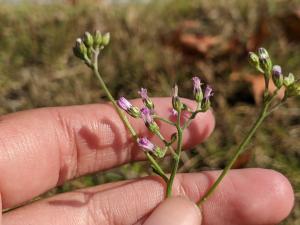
[(282, 196), (175, 211), (265, 196)]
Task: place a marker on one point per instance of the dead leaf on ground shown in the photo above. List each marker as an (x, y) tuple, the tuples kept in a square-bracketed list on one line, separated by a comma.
[(198, 43), (257, 82), (291, 24)]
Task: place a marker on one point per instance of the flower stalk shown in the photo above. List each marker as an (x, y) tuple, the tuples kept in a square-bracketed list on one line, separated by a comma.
[(88, 50)]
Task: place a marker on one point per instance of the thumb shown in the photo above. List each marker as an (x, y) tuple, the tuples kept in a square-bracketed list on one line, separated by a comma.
[(175, 211)]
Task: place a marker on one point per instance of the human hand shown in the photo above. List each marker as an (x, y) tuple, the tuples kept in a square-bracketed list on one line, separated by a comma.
[(42, 148)]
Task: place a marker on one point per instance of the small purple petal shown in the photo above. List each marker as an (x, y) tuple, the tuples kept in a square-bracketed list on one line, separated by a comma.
[(145, 144), (208, 92), (124, 103), (197, 84), (174, 113), (146, 115), (276, 71), (143, 93)]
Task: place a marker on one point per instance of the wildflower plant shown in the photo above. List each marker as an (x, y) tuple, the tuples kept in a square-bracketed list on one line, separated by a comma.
[(88, 49)]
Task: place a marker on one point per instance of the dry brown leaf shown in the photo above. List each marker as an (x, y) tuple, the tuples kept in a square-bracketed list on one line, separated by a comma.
[(198, 43), (258, 85), (291, 24)]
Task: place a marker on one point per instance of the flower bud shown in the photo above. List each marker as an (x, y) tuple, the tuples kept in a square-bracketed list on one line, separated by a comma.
[(147, 101), (146, 145), (293, 90), (134, 112), (160, 153), (88, 39), (79, 49), (289, 80), (277, 76), (148, 120), (265, 61), (253, 59), (176, 103), (197, 89), (129, 108), (97, 38), (206, 101), (105, 39)]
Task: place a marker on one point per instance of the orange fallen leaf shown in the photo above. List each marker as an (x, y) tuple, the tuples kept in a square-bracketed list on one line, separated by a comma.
[(258, 85)]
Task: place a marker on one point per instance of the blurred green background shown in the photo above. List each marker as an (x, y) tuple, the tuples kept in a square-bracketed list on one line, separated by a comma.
[(156, 44)]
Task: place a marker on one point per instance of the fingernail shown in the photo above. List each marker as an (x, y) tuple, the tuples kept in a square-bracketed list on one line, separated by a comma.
[(175, 211)]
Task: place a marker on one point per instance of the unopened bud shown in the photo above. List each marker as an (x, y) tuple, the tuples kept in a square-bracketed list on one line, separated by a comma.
[(293, 90), (80, 50), (289, 80), (265, 61), (176, 103), (106, 39), (88, 39), (253, 59), (97, 38), (277, 76)]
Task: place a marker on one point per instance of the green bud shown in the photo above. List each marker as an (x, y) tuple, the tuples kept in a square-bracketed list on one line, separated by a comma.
[(293, 90), (80, 50), (153, 127), (205, 105), (134, 112), (97, 38), (88, 39), (160, 153), (176, 103), (277, 76), (106, 39), (253, 59), (265, 61), (148, 103), (289, 80)]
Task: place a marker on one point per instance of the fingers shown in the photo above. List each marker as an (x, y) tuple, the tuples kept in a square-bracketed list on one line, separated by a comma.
[(42, 148), (175, 211), (248, 197)]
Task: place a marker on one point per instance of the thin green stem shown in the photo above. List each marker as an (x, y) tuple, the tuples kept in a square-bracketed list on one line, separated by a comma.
[(95, 69), (164, 120), (111, 98), (157, 168), (238, 151), (194, 114), (167, 144), (176, 160)]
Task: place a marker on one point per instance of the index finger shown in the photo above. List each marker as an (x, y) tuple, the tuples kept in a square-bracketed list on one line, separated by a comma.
[(45, 147)]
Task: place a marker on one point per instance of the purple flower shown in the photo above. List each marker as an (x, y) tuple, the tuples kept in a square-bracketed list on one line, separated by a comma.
[(146, 115), (276, 71), (208, 93), (174, 113), (146, 145), (124, 104), (143, 93), (197, 89), (147, 101), (197, 84)]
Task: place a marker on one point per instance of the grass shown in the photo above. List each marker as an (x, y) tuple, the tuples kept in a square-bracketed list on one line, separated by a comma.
[(37, 69)]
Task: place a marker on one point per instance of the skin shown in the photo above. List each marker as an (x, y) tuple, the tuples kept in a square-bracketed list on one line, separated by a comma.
[(43, 148)]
